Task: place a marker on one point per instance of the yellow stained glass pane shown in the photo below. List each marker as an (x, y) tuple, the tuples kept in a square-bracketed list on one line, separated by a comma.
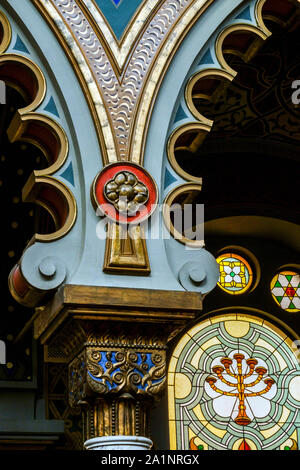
[(195, 443), (291, 443), (244, 443), (236, 275), (209, 343), (172, 435), (237, 329), (171, 402), (182, 386)]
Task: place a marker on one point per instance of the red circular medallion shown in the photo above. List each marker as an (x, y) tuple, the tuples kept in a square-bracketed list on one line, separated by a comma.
[(125, 193)]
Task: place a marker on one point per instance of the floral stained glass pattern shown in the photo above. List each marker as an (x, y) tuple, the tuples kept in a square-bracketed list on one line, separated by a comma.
[(236, 275), (234, 384), (285, 288)]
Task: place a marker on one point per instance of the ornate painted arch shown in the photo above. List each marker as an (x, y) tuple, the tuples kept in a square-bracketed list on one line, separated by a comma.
[(168, 49), (121, 78), (121, 101)]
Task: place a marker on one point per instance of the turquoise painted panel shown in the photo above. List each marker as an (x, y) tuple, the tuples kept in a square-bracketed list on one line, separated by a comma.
[(169, 179), (245, 14), (51, 107), (118, 13), (20, 46), (180, 114), (68, 174), (207, 58)]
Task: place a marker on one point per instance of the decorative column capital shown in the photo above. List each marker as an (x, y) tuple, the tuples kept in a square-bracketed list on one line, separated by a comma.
[(115, 371), (114, 341), (116, 383)]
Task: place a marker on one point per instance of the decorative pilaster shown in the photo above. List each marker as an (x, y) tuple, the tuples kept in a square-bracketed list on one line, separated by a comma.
[(122, 416)]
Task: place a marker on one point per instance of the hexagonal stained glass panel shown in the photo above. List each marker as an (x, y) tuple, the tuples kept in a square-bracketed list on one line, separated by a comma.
[(285, 289), (236, 275)]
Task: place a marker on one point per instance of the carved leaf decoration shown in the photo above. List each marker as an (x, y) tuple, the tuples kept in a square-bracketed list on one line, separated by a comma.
[(99, 387), (156, 389)]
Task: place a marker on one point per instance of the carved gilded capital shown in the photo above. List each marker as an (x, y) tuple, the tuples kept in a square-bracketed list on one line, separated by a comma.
[(115, 379), (113, 371), (114, 341)]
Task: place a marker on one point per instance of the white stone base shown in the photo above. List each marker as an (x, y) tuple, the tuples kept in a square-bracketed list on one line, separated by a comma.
[(118, 443)]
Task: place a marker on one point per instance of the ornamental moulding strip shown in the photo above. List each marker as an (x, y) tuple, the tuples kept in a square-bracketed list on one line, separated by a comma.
[(122, 105), (121, 49), (80, 64)]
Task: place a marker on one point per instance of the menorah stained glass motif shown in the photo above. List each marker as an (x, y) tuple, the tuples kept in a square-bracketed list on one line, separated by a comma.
[(285, 288), (236, 275), (240, 382), (234, 383)]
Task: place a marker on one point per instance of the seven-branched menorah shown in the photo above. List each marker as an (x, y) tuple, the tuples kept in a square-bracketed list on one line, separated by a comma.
[(242, 418)]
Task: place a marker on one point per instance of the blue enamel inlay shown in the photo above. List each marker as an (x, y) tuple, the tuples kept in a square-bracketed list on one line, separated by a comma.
[(113, 360), (51, 107), (68, 174), (207, 58), (20, 46), (118, 13), (245, 14), (180, 114), (169, 179)]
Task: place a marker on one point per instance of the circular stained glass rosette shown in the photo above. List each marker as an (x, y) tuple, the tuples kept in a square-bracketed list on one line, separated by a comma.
[(285, 289), (236, 275)]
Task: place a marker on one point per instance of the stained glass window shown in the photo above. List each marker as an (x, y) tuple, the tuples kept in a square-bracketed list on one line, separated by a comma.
[(234, 384), (236, 275), (285, 288)]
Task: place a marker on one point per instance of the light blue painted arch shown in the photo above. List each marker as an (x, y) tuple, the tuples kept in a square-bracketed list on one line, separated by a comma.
[(66, 104), (81, 251), (197, 52)]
